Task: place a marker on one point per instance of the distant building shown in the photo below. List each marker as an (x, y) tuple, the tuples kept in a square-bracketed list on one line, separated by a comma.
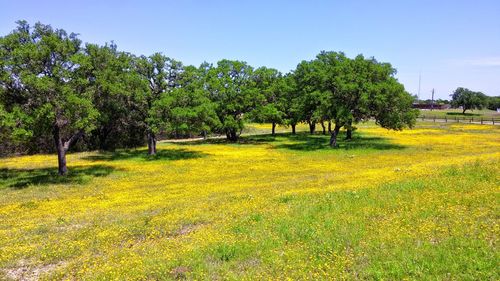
[(430, 106)]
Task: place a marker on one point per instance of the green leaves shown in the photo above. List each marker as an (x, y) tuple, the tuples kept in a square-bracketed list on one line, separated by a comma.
[(468, 100), (270, 105), (334, 87), (48, 80), (232, 90), (44, 87), (18, 122)]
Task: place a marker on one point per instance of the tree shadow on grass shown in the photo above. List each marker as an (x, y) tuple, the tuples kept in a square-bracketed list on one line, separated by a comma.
[(22, 178), (462, 114), (253, 139), (303, 141), (142, 155), (307, 142)]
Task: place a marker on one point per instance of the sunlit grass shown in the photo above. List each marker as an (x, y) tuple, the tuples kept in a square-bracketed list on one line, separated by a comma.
[(418, 204)]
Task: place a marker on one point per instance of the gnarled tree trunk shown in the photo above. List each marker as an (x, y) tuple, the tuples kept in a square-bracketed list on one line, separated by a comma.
[(63, 147)]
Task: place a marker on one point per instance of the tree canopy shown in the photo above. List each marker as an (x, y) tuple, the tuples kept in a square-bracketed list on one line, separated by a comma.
[(347, 91), (43, 90), (231, 87), (55, 91), (468, 100)]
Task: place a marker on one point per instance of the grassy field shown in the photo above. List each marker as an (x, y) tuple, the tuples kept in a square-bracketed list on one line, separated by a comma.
[(455, 112), (420, 204)]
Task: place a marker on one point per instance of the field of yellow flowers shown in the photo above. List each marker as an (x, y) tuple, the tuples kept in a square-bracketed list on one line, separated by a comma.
[(416, 204)]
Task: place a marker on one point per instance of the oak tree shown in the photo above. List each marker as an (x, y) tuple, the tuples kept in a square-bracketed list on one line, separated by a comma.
[(43, 91)]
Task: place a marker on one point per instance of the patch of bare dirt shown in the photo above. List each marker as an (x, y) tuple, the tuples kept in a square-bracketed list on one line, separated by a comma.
[(180, 272), (187, 229), (25, 271)]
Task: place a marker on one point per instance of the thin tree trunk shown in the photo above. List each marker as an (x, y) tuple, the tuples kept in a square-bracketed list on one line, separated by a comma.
[(293, 129), (333, 137), (329, 127), (274, 128), (151, 143), (463, 111), (323, 127), (349, 131), (312, 127)]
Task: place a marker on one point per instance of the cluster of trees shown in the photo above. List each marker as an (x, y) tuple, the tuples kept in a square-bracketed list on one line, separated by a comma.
[(430, 101), (55, 91), (470, 100), (493, 103)]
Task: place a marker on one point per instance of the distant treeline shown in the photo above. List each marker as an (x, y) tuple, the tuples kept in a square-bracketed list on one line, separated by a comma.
[(57, 93), (465, 99)]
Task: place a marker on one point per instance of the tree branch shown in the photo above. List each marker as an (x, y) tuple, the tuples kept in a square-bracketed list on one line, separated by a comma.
[(72, 140)]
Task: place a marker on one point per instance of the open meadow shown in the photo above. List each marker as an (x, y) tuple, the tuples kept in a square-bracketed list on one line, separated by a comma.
[(417, 204)]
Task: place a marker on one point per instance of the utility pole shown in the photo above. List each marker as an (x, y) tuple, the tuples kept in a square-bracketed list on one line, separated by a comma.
[(419, 81), (432, 100)]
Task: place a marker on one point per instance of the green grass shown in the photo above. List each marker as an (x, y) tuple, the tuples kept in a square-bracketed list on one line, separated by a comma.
[(452, 113), (382, 227)]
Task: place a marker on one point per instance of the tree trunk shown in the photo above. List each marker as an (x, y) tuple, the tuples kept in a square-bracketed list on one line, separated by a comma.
[(323, 127), (151, 143), (103, 135), (463, 111), (349, 131), (333, 137), (232, 135), (348, 135), (293, 129), (61, 153), (62, 147), (312, 127), (329, 127), (274, 128)]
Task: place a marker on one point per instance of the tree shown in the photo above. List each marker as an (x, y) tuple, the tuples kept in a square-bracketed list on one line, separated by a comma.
[(44, 93), (234, 94), (360, 89), (328, 80), (187, 109), (115, 88), (269, 83), (308, 83), (468, 100), (290, 101), (160, 74), (494, 103)]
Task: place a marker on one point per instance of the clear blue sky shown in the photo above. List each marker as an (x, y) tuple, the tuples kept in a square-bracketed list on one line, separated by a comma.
[(452, 43)]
